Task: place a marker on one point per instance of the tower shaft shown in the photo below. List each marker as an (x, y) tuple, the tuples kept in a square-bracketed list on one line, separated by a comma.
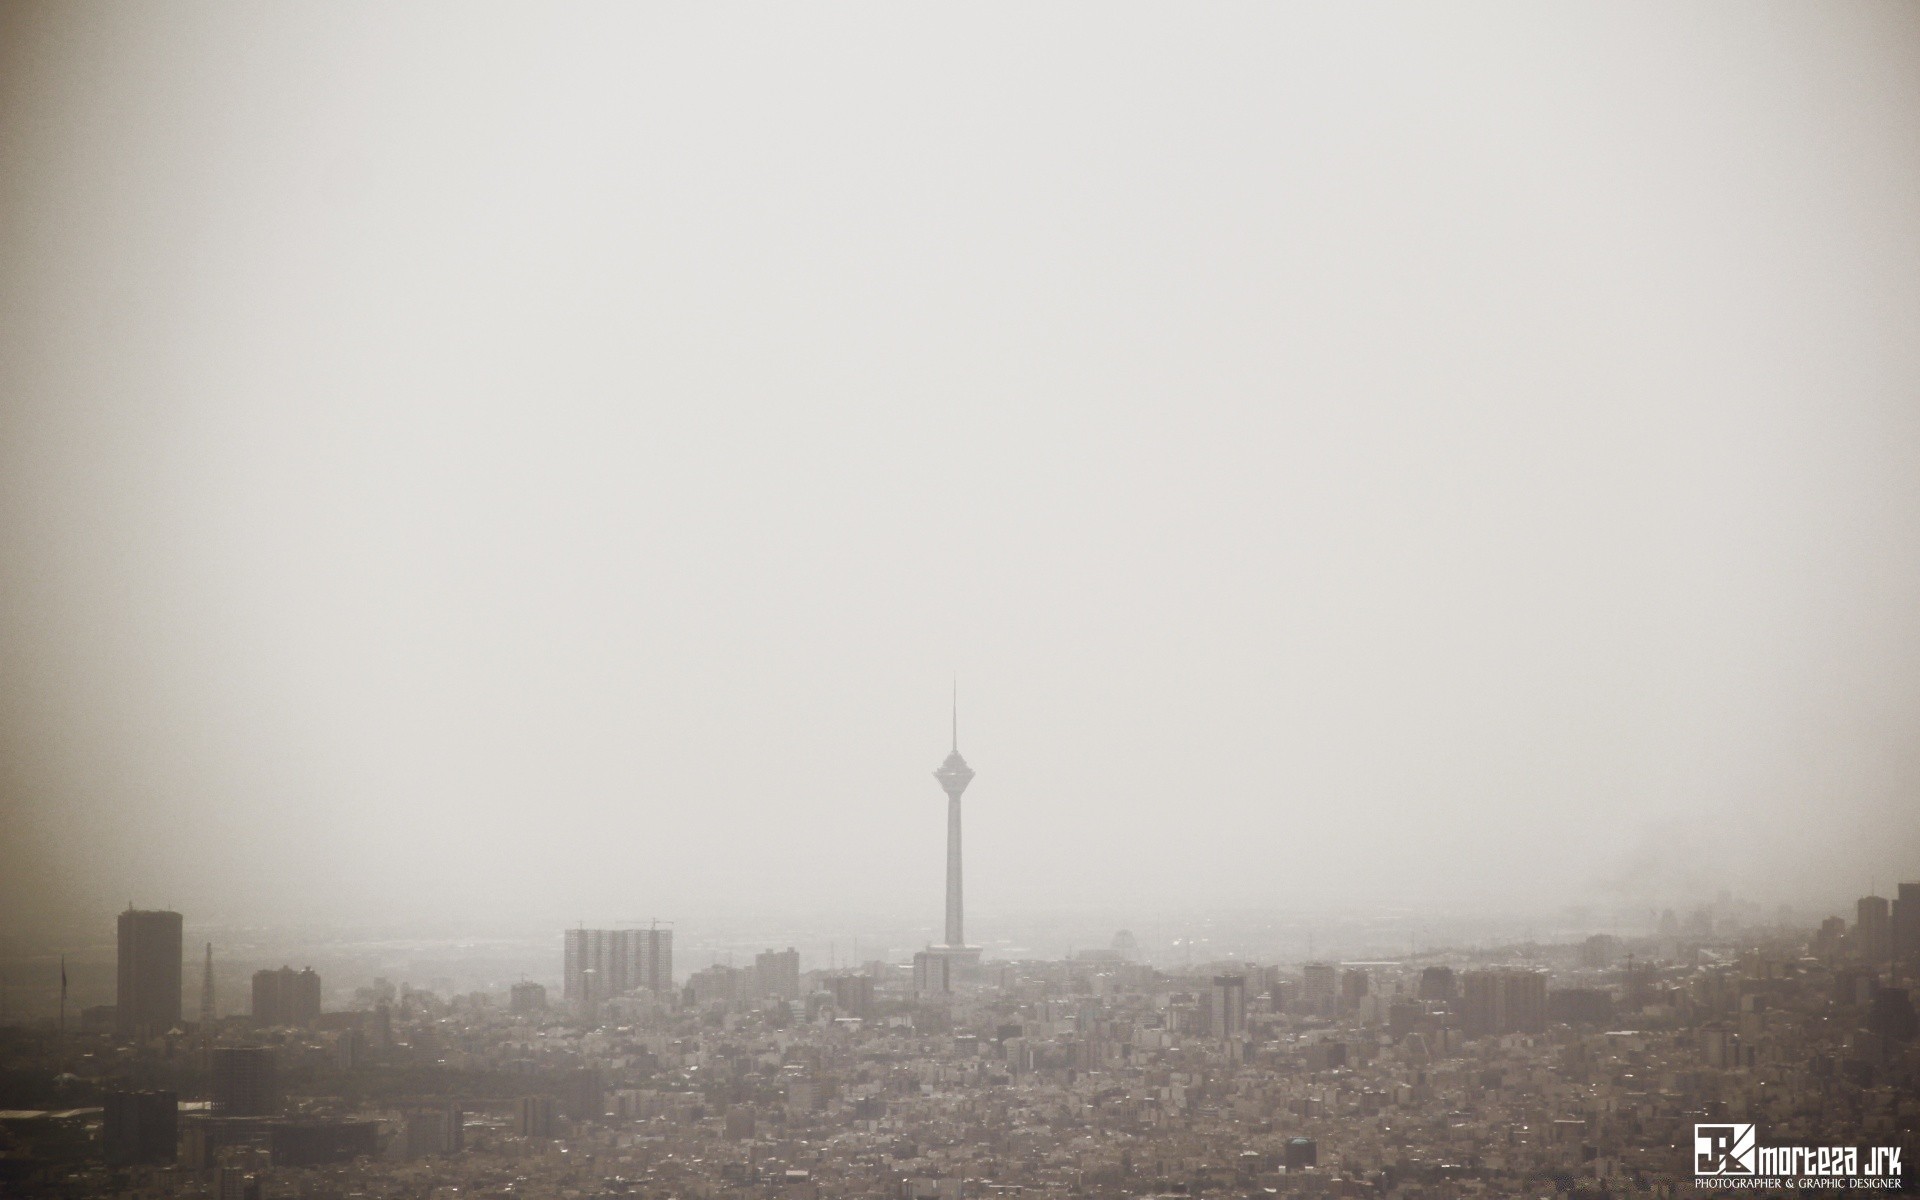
[(955, 922)]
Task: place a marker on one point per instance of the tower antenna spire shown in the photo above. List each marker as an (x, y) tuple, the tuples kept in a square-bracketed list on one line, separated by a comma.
[(956, 714)]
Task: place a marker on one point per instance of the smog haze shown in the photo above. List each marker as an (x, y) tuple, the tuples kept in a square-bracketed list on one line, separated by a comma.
[(545, 464)]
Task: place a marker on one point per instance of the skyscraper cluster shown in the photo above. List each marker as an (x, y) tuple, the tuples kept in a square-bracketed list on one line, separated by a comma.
[(600, 964), (1886, 931)]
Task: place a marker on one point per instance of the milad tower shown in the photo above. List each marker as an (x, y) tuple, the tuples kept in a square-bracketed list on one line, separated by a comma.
[(954, 775)]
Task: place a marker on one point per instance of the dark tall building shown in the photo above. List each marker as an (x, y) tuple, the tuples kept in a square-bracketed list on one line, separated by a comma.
[(778, 973), (1903, 923), (1504, 1002), (1320, 988), (526, 998), (286, 997), (1227, 1008), (1436, 983), (536, 1117), (148, 986), (852, 994), (1355, 984), (244, 1082), (435, 1131), (1870, 928), (141, 1127), (1891, 1015)]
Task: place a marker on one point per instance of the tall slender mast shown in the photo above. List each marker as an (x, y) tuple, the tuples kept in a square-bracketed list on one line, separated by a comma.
[(954, 775)]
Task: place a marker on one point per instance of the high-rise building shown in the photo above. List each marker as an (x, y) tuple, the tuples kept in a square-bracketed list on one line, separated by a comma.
[(526, 998), (602, 963), (1496, 1002), (436, 1131), (1903, 923), (1436, 983), (147, 1001), (852, 994), (932, 971), (1227, 1008), (1890, 1015), (654, 963), (286, 997), (1320, 988), (1480, 1006), (140, 1127), (715, 984), (1355, 983), (245, 1083), (536, 1117), (582, 960), (778, 973), (1598, 952), (1870, 932)]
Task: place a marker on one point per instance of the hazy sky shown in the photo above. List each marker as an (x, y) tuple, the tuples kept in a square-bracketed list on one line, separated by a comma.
[(551, 462)]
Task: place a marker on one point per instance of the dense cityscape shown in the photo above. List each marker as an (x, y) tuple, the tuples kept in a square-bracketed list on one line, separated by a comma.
[(1412, 509), (1573, 1068)]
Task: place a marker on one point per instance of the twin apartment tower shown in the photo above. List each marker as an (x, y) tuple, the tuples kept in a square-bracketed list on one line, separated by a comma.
[(604, 963)]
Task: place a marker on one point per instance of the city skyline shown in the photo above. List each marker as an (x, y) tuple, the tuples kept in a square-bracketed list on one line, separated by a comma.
[(1425, 499), (601, 965), (1353, 456), (1375, 1076), (1755, 1019)]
